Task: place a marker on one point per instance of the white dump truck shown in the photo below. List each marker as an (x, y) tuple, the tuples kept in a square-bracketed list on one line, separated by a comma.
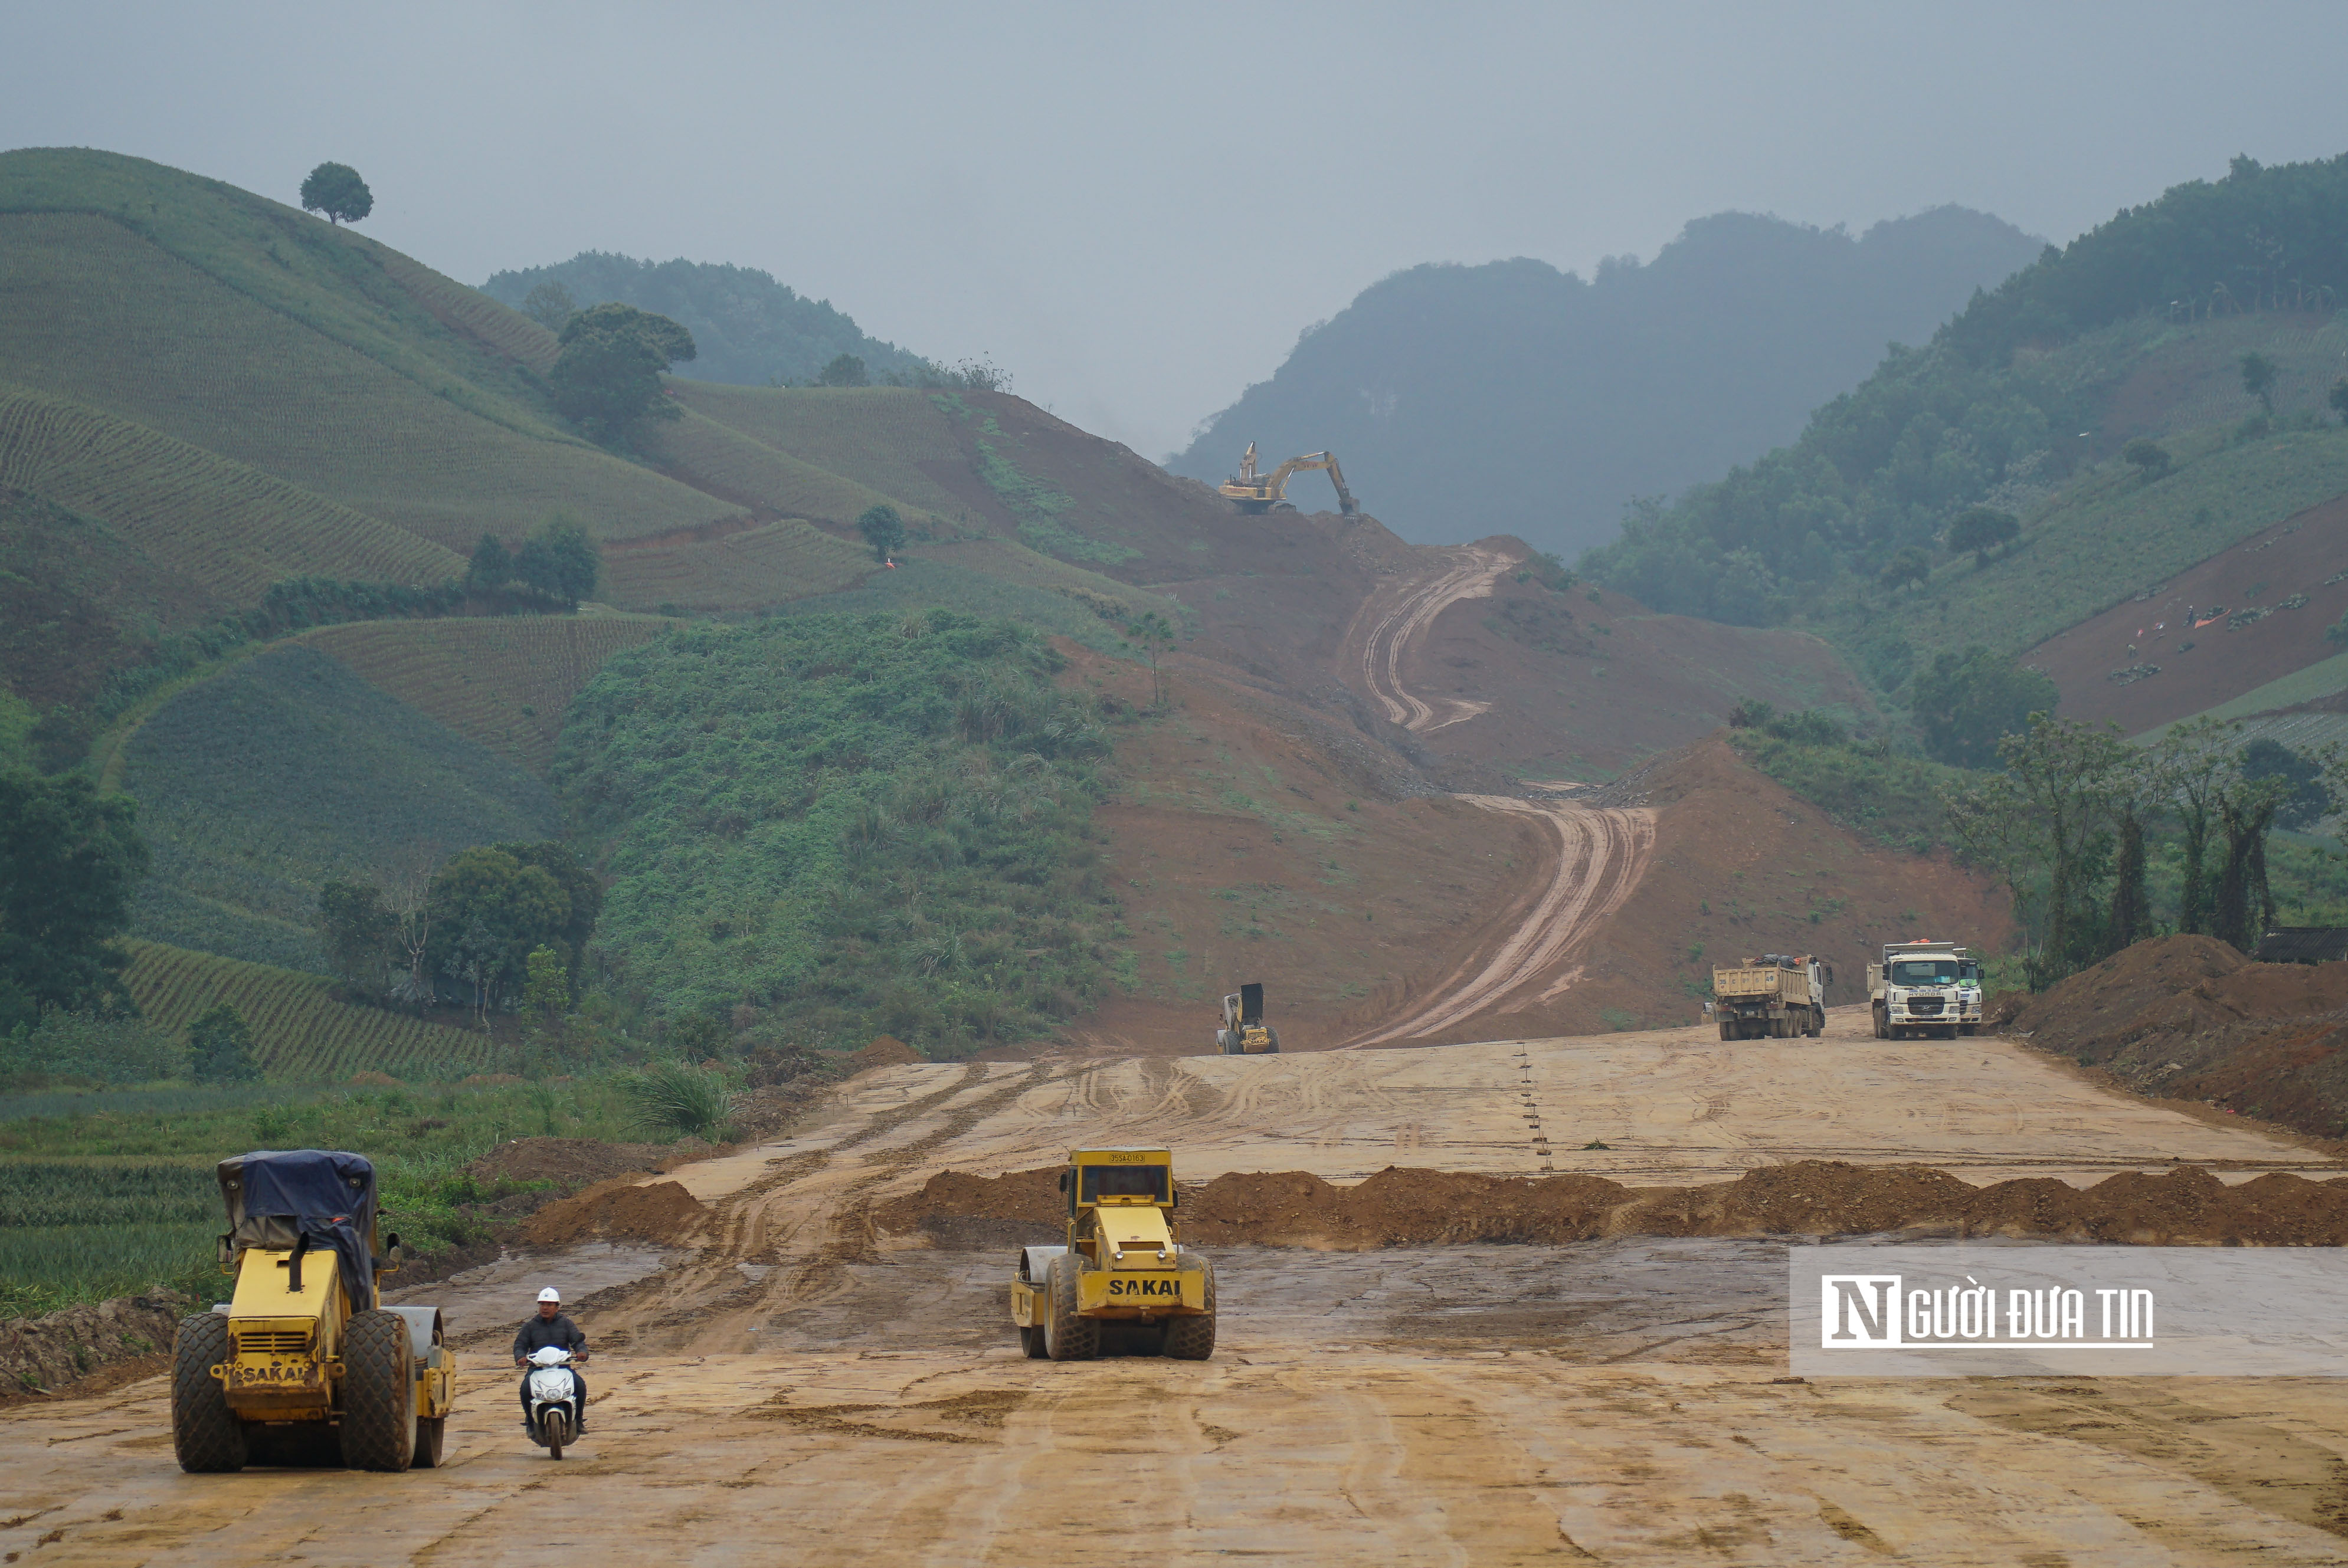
[(1925, 990)]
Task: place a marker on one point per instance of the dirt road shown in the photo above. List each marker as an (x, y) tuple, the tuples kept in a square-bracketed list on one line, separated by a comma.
[(799, 1387), (1595, 864), (1398, 615)]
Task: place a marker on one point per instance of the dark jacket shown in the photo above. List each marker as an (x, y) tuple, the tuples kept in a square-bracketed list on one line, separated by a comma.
[(538, 1333)]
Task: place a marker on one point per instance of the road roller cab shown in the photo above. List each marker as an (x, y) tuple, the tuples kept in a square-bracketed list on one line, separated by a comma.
[(303, 1364), (1122, 1273)]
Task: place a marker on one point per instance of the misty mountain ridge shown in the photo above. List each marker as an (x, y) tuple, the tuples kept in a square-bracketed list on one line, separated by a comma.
[(1513, 397), (750, 329)]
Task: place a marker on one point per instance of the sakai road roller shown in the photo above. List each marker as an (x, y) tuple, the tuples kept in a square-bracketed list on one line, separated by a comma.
[(1123, 1282), (303, 1365)]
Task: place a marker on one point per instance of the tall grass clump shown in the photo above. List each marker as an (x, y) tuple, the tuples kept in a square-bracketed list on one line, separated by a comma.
[(673, 1098)]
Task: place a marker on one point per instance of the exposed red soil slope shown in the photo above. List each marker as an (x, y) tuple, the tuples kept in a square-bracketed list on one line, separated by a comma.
[(2306, 554), (1400, 1207), (2190, 1018)]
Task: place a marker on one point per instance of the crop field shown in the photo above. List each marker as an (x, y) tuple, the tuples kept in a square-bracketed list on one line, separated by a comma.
[(886, 437), (334, 280), (748, 569), (229, 529), (2109, 535), (287, 769), (728, 462), (469, 312), (300, 1032), (203, 362), (2181, 377), (503, 683)]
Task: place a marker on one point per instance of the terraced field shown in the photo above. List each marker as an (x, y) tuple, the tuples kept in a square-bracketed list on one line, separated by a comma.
[(201, 362), (733, 569), (257, 786), (725, 462), (891, 439), (232, 529), (299, 1030), (503, 683)]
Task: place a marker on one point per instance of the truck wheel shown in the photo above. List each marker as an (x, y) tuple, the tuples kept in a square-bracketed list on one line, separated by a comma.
[(1272, 1035), (1067, 1337), (1882, 1024), (205, 1436), (1193, 1338), (378, 1392), (1727, 1029), (1968, 1030)]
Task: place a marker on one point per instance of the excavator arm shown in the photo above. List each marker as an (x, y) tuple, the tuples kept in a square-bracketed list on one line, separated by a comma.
[(1262, 492)]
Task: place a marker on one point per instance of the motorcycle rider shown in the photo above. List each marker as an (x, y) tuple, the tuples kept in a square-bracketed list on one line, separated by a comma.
[(549, 1326)]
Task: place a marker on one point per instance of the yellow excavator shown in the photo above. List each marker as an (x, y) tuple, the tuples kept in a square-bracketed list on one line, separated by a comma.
[(1252, 492)]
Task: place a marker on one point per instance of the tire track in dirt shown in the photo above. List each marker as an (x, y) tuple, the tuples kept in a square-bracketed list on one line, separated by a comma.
[(1600, 856), (1397, 615)]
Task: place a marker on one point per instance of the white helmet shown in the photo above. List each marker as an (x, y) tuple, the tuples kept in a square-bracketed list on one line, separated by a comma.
[(549, 1293)]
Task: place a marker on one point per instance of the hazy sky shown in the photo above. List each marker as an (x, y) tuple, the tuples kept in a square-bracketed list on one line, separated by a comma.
[(1135, 210)]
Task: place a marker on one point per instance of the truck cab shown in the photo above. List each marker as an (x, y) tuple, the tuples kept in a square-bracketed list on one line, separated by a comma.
[(1925, 989)]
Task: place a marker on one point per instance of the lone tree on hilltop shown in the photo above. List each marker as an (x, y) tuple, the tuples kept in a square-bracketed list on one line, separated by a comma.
[(2150, 458), (2258, 380), (608, 374), (1981, 530), (549, 304), (883, 529), (336, 191)]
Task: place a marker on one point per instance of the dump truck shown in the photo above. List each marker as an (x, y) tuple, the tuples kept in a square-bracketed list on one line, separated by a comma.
[(304, 1364), (1925, 988), (1123, 1281), (1252, 492), (1774, 997), (1244, 1032)]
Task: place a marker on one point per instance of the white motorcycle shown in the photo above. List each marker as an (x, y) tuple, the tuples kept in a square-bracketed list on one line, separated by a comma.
[(554, 1406)]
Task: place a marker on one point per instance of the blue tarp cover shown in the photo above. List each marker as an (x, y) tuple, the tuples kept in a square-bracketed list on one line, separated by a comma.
[(329, 1196)]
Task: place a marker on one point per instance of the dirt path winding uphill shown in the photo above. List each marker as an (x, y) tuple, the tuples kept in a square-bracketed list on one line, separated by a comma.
[(1596, 864), (1398, 615)]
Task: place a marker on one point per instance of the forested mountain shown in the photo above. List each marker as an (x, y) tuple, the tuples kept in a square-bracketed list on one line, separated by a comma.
[(751, 329), (1514, 397), (2065, 362)]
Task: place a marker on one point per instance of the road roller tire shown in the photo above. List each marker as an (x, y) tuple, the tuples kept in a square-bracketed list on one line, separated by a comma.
[(205, 1436), (378, 1392), (1067, 1337), (1193, 1338)]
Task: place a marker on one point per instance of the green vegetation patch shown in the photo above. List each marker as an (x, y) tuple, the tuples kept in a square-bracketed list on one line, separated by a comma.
[(1865, 785), (1039, 505), (287, 770), (864, 824)]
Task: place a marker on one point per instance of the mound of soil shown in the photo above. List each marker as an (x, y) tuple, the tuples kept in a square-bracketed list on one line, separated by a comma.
[(1398, 1207), (570, 1163), (42, 1355), (2188, 1018), (886, 1051), (661, 1212)]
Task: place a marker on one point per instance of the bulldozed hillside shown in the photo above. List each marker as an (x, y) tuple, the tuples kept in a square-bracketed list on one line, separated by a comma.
[(1359, 788)]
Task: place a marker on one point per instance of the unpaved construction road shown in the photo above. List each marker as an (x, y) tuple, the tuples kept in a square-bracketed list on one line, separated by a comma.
[(1398, 614), (794, 1387)]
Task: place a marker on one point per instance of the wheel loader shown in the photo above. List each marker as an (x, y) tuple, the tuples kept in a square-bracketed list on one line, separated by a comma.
[(303, 1365), (1123, 1282), (1244, 1032)]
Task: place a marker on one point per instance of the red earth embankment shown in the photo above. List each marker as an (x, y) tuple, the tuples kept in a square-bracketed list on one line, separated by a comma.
[(1399, 1207), (2188, 1018)]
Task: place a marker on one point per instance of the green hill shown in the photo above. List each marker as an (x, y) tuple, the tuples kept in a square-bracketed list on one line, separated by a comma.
[(258, 785), (2120, 333), (749, 329)]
